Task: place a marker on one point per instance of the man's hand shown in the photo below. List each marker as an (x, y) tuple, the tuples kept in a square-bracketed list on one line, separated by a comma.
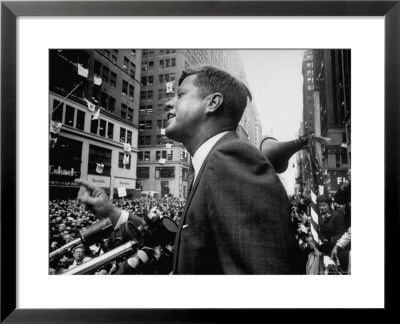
[(154, 214), (334, 253), (97, 200)]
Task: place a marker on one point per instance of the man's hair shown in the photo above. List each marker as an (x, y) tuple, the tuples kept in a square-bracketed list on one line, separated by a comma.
[(210, 80), (324, 199)]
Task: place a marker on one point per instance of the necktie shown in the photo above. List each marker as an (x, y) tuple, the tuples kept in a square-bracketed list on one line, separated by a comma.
[(191, 176)]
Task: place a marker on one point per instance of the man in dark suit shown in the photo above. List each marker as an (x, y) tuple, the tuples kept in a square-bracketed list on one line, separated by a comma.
[(236, 220)]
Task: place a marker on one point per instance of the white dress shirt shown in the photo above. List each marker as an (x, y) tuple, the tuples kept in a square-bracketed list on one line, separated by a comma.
[(202, 152)]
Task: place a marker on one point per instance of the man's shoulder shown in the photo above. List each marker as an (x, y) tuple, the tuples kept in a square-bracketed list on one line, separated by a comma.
[(231, 144)]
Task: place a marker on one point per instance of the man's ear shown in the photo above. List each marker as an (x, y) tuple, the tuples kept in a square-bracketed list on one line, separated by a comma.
[(214, 101)]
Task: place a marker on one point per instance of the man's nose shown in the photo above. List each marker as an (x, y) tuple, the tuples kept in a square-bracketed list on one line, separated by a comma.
[(170, 104)]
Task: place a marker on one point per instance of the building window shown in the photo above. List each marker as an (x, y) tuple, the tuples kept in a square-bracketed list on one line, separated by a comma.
[(110, 131), (151, 65), (144, 81), (143, 95), (97, 68), (80, 120), (150, 94), (165, 172), (173, 62), (102, 128), (111, 104), (93, 126), (130, 114), (57, 114), (126, 64), (185, 173), (132, 68), (159, 124), (167, 78), (140, 156), (142, 110), (167, 63), (160, 93), (104, 100), (99, 155), (69, 116), (149, 110), (113, 80), (129, 137), (143, 173), (144, 66), (161, 78), (141, 140), (122, 135), (149, 124), (147, 155), (124, 87), (104, 76), (121, 158), (161, 64), (170, 155), (150, 80), (172, 76), (131, 92), (159, 140), (124, 109), (141, 126), (147, 140)]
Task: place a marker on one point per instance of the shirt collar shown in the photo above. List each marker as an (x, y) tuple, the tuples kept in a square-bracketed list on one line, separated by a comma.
[(203, 150)]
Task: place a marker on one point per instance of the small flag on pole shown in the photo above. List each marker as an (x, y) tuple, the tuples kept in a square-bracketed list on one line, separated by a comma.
[(55, 127), (127, 147), (97, 114), (82, 71), (97, 80), (100, 167), (126, 159), (162, 161), (169, 87), (162, 131), (91, 106)]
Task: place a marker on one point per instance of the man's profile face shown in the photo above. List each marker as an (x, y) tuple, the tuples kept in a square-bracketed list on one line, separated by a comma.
[(188, 113)]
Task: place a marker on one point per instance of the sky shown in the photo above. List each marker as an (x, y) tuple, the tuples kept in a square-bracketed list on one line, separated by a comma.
[(276, 83)]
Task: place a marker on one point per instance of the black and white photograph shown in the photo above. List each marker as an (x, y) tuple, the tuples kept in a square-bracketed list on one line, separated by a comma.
[(199, 161)]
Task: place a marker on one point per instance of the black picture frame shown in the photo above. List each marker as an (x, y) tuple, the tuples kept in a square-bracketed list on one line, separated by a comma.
[(10, 10)]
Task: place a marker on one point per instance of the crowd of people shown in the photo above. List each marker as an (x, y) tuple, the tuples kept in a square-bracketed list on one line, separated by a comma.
[(331, 255), (68, 219)]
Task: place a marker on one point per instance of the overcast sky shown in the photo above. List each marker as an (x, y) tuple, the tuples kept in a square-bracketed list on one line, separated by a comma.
[(276, 82)]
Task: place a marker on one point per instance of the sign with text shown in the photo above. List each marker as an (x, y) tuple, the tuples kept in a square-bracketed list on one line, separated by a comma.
[(99, 181), (336, 179), (125, 183), (121, 192)]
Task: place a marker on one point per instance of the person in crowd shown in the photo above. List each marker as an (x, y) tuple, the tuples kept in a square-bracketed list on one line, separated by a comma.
[(342, 244), (79, 256), (236, 220)]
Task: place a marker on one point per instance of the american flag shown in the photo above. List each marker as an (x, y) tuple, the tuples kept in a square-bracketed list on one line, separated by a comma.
[(317, 189)]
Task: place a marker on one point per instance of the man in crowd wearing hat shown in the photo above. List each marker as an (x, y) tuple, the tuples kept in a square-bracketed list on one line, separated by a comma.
[(236, 220)]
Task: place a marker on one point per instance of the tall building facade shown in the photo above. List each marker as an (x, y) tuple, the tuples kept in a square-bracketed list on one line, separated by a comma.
[(327, 112), (103, 150)]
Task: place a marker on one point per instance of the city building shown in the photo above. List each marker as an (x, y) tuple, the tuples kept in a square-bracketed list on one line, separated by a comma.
[(326, 113), (85, 84)]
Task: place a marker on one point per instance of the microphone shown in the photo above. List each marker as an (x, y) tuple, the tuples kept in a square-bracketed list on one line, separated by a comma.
[(91, 235)]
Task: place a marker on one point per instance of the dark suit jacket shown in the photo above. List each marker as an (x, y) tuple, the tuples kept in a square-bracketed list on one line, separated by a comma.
[(236, 220)]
